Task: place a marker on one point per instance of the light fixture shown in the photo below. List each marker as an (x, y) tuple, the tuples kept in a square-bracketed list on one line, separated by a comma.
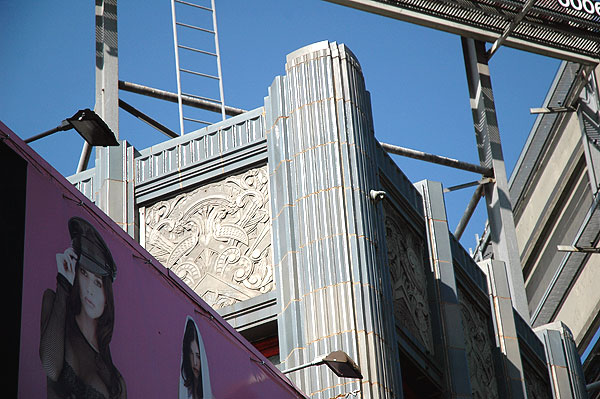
[(573, 248), (89, 125), (338, 361)]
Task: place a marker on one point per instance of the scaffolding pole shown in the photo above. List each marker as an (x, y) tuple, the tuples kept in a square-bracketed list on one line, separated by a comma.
[(423, 156), (172, 97)]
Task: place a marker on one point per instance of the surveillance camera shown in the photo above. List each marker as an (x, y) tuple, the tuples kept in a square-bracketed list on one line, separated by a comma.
[(377, 195)]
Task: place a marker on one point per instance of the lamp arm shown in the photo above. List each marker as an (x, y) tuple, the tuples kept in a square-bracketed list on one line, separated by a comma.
[(65, 125), (316, 362)]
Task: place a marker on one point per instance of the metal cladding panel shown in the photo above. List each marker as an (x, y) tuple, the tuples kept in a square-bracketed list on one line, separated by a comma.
[(322, 165), (563, 362), (567, 32), (527, 337), (455, 359)]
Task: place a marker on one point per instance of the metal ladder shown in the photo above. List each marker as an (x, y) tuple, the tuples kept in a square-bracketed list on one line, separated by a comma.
[(196, 29)]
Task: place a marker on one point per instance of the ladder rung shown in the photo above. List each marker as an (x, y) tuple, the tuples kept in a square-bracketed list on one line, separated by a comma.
[(196, 50), (195, 27), (199, 74), (193, 5), (201, 98), (196, 120)]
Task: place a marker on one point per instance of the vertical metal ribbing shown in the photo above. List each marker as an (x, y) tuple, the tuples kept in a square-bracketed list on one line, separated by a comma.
[(325, 228), (177, 70), (359, 177), (285, 254)]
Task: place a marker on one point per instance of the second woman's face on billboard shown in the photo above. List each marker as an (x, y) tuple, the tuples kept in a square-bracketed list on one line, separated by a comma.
[(91, 293), (195, 358)]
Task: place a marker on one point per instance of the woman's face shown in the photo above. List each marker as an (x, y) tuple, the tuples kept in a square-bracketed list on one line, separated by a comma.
[(91, 293), (195, 358)]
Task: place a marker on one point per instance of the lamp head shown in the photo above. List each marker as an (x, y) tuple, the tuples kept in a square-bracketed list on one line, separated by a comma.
[(342, 365), (92, 128)]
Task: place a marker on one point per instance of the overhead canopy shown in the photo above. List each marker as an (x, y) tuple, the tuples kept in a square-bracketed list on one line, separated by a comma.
[(564, 29)]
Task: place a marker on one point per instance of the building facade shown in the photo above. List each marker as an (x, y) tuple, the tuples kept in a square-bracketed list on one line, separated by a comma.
[(303, 233)]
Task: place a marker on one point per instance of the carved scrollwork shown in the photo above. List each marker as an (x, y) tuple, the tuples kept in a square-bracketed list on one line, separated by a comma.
[(479, 346), (406, 253), (216, 238)]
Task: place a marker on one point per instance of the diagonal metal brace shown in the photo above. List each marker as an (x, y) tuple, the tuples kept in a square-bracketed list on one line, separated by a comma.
[(510, 28)]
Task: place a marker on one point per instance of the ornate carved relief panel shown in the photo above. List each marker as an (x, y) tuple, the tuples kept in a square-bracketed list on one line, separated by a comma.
[(406, 254), (217, 238), (479, 344)]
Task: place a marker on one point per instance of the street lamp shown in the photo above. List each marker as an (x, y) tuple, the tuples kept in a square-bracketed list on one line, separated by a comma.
[(89, 125), (338, 361)]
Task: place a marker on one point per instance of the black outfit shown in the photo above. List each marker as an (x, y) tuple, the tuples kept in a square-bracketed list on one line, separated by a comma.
[(73, 367)]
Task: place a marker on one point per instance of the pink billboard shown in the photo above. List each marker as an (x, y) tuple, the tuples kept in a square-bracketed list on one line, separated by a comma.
[(100, 318)]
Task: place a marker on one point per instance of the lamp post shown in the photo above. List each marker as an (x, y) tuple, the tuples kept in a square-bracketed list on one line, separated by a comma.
[(88, 124), (338, 361)]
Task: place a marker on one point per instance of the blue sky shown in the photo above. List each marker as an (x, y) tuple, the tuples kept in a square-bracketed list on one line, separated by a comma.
[(415, 75)]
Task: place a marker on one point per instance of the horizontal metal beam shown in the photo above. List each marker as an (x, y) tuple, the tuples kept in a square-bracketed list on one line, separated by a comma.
[(572, 97), (551, 110), (172, 97), (573, 248), (423, 156)]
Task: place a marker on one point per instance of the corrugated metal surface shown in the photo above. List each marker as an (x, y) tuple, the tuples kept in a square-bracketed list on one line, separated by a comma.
[(322, 165)]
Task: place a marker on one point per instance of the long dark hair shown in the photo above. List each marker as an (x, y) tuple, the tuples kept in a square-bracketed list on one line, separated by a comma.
[(104, 329), (190, 335)]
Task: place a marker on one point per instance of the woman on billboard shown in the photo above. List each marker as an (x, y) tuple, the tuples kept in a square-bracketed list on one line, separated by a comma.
[(194, 382), (77, 320)]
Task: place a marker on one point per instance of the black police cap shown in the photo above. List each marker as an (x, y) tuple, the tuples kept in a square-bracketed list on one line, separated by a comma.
[(93, 252)]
